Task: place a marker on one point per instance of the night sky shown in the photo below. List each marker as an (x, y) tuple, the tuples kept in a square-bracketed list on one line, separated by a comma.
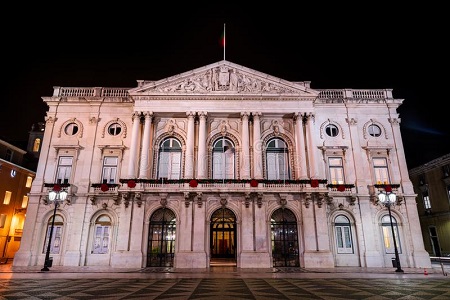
[(334, 47)]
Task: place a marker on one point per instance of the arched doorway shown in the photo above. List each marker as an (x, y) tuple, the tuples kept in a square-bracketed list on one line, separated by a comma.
[(161, 238), (284, 239), (223, 236)]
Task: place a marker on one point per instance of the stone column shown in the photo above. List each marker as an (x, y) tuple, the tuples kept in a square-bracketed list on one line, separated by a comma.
[(145, 155), (302, 170), (134, 148), (245, 168), (257, 147), (312, 159), (202, 158), (189, 157)]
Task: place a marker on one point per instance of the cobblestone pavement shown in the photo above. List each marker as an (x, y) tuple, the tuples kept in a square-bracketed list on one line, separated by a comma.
[(222, 283), (225, 288)]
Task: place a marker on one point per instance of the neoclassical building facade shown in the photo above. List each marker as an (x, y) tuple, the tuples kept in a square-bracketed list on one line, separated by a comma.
[(221, 163)]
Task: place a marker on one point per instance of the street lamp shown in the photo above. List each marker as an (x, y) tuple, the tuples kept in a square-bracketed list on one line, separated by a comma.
[(55, 196), (387, 198)]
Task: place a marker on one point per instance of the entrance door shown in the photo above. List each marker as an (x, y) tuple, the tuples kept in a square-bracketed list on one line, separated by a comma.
[(223, 234), (161, 238), (284, 239)]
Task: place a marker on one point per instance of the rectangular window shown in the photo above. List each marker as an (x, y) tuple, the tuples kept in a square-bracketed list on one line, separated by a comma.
[(7, 198), (25, 201), (426, 200), (29, 181), (64, 169), (381, 170), (388, 241), (2, 220), (101, 239), (9, 155), (169, 165), (55, 245), (277, 166), (336, 170), (109, 172), (344, 239)]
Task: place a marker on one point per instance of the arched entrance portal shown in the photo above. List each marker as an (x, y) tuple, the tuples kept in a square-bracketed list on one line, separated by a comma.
[(161, 238), (223, 236), (284, 239)]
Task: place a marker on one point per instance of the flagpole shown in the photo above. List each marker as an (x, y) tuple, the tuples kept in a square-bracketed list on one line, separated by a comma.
[(224, 42)]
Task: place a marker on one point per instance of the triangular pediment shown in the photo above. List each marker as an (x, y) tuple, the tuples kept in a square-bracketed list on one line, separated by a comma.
[(221, 78)]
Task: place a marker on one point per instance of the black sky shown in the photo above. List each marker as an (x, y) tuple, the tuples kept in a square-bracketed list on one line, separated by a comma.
[(402, 48)]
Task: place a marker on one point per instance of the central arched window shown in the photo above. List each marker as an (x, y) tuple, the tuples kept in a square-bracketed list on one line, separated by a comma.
[(223, 159), (277, 163), (343, 233), (387, 235), (55, 243), (102, 234), (169, 166)]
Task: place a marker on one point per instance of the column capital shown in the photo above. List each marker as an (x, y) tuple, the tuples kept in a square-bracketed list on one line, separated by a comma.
[(245, 114), (190, 114)]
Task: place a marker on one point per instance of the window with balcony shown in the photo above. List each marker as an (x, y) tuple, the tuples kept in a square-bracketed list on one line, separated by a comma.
[(381, 170), (55, 243), (169, 164), (109, 171), (223, 159), (336, 168), (387, 235), (64, 169), (342, 228), (277, 160), (102, 234)]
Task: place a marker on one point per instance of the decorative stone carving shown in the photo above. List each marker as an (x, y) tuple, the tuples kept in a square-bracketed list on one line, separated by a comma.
[(199, 200), (259, 200), (163, 200), (187, 199), (223, 199), (307, 199), (223, 79), (247, 200)]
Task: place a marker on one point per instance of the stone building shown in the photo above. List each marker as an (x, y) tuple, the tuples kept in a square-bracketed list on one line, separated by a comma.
[(431, 182), (221, 163)]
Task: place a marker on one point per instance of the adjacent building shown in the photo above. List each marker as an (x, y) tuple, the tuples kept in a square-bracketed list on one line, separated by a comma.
[(431, 182), (15, 184), (221, 162)]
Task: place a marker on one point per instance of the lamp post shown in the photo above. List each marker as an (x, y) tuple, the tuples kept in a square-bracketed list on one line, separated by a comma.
[(387, 198), (55, 196)]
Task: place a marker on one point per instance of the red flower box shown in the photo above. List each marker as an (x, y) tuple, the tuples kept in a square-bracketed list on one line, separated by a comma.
[(253, 183), (193, 183), (341, 188), (314, 183), (131, 183), (104, 187)]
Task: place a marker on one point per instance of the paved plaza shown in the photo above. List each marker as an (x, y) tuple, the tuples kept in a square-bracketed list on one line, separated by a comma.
[(223, 283)]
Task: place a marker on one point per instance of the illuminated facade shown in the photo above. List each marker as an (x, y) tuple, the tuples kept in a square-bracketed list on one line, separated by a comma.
[(15, 183), (222, 162)]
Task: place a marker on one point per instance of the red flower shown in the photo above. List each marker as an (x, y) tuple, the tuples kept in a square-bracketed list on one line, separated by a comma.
[(56, 187), (193, 183), (388, 188), (314, 183), (104, 187), (341, 188), (253, 183), (131, 183)]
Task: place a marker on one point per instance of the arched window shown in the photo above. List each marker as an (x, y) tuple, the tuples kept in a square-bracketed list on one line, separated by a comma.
[(169, 166), (284, 238), (55, 244), (277, 162), (102, 233), (343, 234), (223, 159), (161, 238), (387, 235)]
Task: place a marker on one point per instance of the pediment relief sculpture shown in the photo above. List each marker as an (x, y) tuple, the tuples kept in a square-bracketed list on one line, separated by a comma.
[(223, 79)]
